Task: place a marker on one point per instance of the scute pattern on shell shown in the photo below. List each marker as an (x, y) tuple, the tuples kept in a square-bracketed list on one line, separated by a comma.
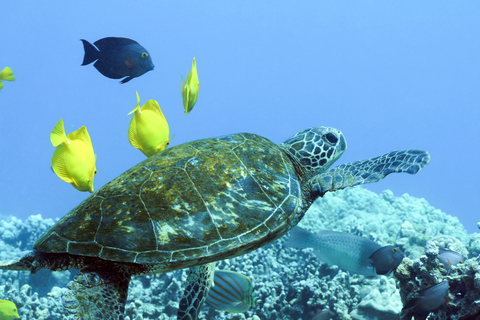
[(205, 200)]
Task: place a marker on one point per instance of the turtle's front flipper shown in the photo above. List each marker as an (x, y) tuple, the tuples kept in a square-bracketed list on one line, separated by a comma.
[(97, 295), (367, 171), (198, 284)]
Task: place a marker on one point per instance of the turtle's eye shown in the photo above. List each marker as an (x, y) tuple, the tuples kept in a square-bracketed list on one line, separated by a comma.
[(330, 137), (144, 54)]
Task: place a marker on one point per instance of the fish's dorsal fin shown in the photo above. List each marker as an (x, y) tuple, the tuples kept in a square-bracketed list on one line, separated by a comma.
[(58, 136), (105, 43), (152, 105), (58, 164), (82, 135)]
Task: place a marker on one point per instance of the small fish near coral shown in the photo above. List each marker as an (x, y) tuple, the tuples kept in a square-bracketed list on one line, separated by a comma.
[(148, 129), (190, 89), (8, 310), (73, 160), (7, 75), (231, 292), (449, 258), (429, 300), (386, 259), (118, 58)]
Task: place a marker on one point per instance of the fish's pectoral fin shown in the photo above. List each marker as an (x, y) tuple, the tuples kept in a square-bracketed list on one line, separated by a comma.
[(58, 164), (126, 79), (196, 290), (186, 101), (97, 295), (132, 134)]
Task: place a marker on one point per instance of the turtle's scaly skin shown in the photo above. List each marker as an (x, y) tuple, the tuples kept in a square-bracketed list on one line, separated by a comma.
[(195, 203)]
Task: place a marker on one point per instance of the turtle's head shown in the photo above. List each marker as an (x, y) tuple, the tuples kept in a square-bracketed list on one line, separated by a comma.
[(314, 150)]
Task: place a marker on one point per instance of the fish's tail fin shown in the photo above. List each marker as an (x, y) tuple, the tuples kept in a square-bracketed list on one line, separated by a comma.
[(58, 136), (299, 238), (91, 53), (137, 106), (7, 74)]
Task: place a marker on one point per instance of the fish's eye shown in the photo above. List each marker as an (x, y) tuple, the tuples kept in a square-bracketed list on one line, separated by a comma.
[(95, 172), (144, 55), (394, 249)]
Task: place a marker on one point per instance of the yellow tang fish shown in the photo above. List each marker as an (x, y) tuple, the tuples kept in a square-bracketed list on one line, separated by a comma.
[(148, 129), (8, 310), (190, 88), (6, 74), (74, 159)]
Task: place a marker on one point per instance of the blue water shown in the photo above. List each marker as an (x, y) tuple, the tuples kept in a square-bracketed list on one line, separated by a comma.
[(390, 76)]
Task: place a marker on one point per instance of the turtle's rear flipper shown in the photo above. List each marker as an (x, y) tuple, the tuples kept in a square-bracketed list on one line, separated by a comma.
[(97, 295), (198, 284), (23, 264), (370, 170)]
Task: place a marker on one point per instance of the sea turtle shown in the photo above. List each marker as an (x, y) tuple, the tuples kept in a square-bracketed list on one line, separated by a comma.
[(192, 205)]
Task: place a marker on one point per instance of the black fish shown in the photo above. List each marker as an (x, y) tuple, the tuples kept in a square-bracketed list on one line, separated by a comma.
[(429, 300), (118, 58), (386, 259)]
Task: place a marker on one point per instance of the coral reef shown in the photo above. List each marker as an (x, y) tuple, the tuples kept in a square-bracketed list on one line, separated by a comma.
[(289, 283), (463, 301)]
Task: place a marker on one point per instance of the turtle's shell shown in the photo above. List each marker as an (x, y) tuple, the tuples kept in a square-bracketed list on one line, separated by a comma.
[(205, 200)]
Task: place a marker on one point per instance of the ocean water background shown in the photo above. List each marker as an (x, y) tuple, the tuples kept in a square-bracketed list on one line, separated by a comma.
[(389, 75)]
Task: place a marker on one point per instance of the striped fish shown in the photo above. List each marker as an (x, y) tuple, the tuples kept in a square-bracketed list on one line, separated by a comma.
[(232, 292)]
